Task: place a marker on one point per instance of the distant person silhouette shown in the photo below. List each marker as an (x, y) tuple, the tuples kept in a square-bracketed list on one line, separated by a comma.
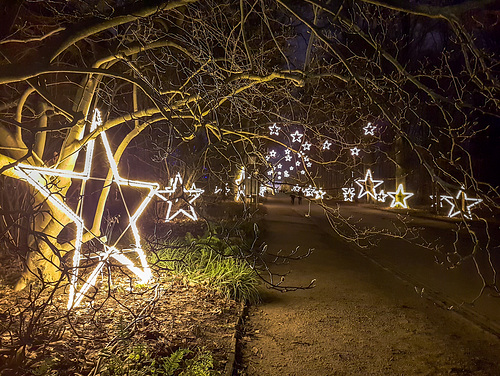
[(300, 198), (292, 197)]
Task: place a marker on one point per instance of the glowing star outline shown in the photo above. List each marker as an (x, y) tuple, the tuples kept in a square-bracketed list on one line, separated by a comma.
[(274, 130), (309, 164), (382, 196), (326, 145), (288, 157), (286, 174), (33, 175), (450, 200), (306, 145), (296, 188), (349, 194), (193, 192), (291, 168), (319, 194), (287, 151), (369, 129), (399, 197), (296, 137), (366, 181), (279, 166), (355, 151), (297, 163), (272, 153)]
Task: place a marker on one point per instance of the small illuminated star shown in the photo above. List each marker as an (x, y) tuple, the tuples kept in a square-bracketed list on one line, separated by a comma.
[(297, 163), (306, 145), (274, 129), (302, 172), (286, 174), (399, 197), (382, 196), (296, 188), (270, 172), (461, 197), (309, 164), (178, 187), (291, 168), (287, 151), (348, 194), (355, 151), (288, 157), (308, 192), (368, 185), (296, 137), (279, 166), (319, 194), (326, 145), (272, 153), (369, 129)]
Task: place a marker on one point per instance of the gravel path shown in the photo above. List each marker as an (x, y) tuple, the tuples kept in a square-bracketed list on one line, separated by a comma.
[(358, 320)]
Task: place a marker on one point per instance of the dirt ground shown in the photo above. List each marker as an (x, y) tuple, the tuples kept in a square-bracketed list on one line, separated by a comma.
[(358, 320)]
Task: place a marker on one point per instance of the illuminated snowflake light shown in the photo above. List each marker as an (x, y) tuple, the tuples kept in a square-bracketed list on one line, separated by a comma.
[(399, 197), (297, 163), (326, 145), (274, 130), (368, 185), (36, 177), (296, 137), (355, 151), (369, 129), (193, 193), (348, 194)]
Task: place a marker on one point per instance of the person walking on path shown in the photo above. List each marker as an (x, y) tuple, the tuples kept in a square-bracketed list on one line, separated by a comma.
[(292, 197), (300, 198)]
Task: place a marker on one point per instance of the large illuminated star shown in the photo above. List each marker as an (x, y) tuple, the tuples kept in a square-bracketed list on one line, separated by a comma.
[(36, 177), (461, 197), (399, 197), (177, 191), (368, 185)]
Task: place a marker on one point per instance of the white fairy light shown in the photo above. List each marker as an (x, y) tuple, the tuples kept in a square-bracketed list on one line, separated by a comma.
[(382, 196), (286, 174), (306, 145), (296, 188), (193, 193), (369, 129), (319, 194), (309, 164), (399, 197), (326, 145), (287, 151), (36, 177), (274, 129), (305, 158), (297, 163), (288, 157), (268, 157), (291, 168), (302, 172), (279, 166), (272, 153), (355, 151), (348, 194), (270, 172), (368, 185), (296, 137)]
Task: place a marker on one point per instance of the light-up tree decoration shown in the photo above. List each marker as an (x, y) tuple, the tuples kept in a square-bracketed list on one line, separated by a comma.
[(297, 136), (306, 145), (368, 185), (297, 163), (355, 151), (319, 194), (309, 164), (382, 196), (326, 145), (399, 197), (369, 129), (296, 188), (272, 153), (274, 130), (462, 198), (348, 194), (184, 205), (286, 174), (36, 177), (288, 157)]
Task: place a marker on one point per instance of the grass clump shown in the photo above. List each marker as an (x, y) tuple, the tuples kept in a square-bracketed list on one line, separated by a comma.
[(213, 262)]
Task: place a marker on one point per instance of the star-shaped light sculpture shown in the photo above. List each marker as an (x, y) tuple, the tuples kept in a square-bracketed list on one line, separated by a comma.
[(326, 145), (355, 151), (309, 164), (288, 157), (306, 145), (319, 194), (291, 168), (382, 196), (297, 136), (177, 191), (369, 129), (286, 174), (296, 188), (36, 176), (272, 153), (462, 198), (287, 151), (348, 194), (274, 130), (368, 185), (297, 163), (399, 197)]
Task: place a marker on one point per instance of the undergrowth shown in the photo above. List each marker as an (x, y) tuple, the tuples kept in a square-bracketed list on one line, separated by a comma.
[(211, 261)]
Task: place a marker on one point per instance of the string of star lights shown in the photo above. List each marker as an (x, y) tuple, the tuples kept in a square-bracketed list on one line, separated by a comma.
[(399, 197), (368, 185), (193, 194), (348, 194), (274, 130), (36, 177)]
